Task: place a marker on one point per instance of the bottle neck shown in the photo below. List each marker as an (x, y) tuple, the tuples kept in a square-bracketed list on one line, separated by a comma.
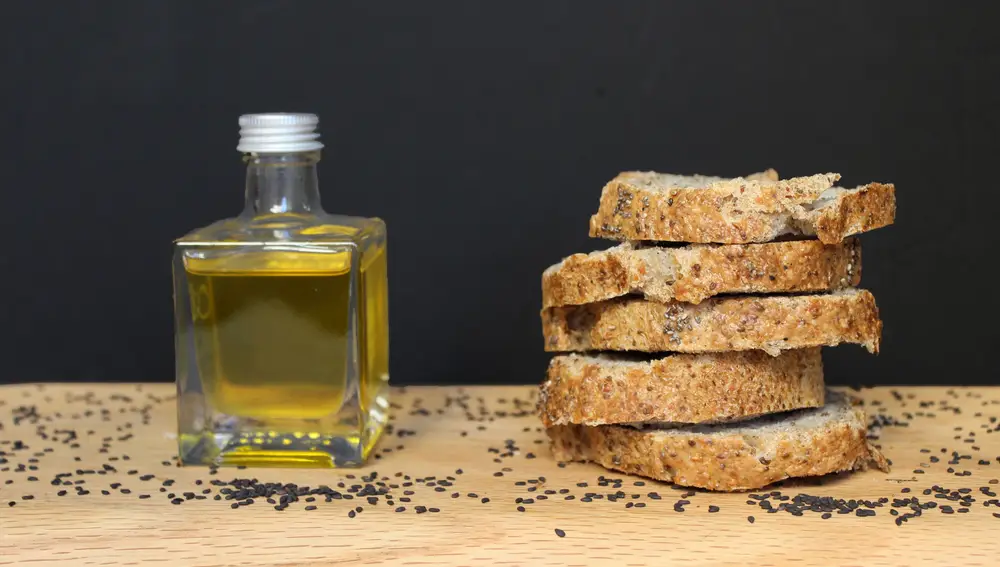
[(282, 183)]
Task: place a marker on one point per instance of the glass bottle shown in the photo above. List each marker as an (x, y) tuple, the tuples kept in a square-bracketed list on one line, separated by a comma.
[(282, 333)]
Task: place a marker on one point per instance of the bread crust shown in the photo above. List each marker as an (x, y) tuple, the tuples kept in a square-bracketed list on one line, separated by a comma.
[(699, 271), (669, 208), (725, 461), (870, 207), (769, 323), (683, 388)]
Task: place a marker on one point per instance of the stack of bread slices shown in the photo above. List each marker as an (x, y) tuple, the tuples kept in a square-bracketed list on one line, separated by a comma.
[(693, 346)]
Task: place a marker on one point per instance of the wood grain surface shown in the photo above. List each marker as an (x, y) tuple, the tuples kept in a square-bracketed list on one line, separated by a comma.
[(123, 433)]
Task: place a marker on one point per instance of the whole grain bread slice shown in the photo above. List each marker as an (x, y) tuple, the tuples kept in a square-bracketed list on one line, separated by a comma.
[(771, 323), (683, 388), (696, 272), (645, 205), (733, 456)]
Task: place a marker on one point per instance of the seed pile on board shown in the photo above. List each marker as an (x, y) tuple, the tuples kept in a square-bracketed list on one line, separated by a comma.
[(102, 468)]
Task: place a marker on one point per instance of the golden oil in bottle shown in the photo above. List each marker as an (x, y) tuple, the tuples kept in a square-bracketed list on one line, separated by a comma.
[(282, 318)]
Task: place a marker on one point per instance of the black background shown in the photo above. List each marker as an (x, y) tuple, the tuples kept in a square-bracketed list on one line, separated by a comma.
[(482, 133)]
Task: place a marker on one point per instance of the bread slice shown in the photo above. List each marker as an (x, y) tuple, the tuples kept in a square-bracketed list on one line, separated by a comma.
[(640, 205), (699, 271), (732, 456), (684, 388), (772, 323)]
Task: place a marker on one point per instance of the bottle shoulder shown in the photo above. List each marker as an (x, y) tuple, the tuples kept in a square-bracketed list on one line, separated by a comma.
[(282, 244), (291, 228)]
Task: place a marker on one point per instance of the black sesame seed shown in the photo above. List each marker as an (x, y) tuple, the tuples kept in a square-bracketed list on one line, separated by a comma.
[(750, 519), (310, 508), (560, 533), (485, 500), (713, 509), (520, 508)]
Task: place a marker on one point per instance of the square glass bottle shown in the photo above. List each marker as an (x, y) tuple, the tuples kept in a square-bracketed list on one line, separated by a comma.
[(282, 331)]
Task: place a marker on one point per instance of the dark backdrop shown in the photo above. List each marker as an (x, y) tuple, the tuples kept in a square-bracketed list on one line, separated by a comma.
[(482, 133)]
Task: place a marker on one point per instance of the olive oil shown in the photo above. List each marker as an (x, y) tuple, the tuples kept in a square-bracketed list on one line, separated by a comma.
[(282, 326)]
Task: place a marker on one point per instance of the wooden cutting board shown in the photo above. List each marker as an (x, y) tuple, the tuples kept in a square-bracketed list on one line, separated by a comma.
[(465, 455)]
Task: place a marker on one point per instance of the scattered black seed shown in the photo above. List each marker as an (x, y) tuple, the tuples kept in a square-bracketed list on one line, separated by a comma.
[(560, 533), (520, 508), (310, 508), (750, 519)]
